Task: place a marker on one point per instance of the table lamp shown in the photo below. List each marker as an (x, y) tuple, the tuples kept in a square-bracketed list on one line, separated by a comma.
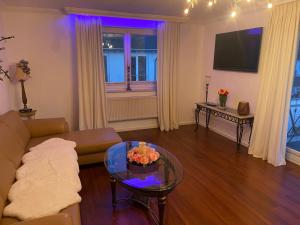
[(207, 81), (23, 74)]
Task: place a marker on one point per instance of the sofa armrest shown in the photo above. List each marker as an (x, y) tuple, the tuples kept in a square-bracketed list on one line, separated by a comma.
[(59, 219), (45, 127)]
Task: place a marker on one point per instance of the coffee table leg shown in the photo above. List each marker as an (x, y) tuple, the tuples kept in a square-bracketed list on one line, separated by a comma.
[(161, 207), (113, 191)]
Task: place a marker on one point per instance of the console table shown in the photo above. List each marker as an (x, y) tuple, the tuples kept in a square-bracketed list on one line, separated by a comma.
[(227, 114)]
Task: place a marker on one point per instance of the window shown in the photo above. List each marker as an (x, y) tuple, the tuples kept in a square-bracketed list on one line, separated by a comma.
[(130, 58), (113, 51)]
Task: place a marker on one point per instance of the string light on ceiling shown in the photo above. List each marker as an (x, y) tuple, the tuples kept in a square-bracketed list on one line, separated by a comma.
[(190, 5), (210, 3)]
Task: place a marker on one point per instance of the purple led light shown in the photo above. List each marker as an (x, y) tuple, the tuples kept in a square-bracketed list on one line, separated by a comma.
[(142, 183), (130, 23), (121, 22), (255, 31)]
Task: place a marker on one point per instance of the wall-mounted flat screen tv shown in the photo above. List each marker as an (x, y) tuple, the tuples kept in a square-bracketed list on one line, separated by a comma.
[(238, 50)]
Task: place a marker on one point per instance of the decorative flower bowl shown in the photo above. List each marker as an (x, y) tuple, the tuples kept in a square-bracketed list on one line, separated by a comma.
[(142, 156)]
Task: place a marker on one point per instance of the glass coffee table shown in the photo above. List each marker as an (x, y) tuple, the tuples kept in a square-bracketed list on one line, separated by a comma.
[(157, 181)]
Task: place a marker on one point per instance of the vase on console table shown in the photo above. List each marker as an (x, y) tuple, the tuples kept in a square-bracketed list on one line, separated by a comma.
[(223, 93)]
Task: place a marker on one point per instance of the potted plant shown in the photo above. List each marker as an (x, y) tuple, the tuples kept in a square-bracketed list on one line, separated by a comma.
[(223, 93)]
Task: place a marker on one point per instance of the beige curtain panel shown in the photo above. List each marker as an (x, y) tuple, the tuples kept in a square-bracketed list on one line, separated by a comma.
[(91, 89), (277, 66), (168, 36)]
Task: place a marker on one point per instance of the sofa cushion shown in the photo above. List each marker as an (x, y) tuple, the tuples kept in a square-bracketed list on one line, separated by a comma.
[(57, 219), (72, 211), (13, 121), (45, 127), (2, 203), (35, 141), (11, 146), (7, 177), (92, 141), (91, 158), (8, 220)]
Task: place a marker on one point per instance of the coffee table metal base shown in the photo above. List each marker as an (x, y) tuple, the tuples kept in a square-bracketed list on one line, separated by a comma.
[(142, 200)]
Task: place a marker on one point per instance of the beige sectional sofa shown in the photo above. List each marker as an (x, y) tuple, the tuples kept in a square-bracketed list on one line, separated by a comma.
[(17, 136)]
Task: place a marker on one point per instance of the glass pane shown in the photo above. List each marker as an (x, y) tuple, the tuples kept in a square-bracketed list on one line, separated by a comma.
[(105, 67), (144, 53), (113, 50), (293, 135), (142, 68), (133, 68)]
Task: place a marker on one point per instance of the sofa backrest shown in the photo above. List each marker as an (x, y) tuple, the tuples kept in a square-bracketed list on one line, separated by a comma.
[(14, 121), (14, 137)]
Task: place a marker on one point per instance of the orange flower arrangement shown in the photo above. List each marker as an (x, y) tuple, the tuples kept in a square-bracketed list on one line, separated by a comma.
[(143, 155), (223, 92)]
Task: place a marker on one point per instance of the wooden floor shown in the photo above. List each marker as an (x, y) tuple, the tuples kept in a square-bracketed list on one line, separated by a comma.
[(220, 185)]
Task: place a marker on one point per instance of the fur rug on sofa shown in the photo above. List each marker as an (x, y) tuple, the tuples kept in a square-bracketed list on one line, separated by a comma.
[(47, 182)]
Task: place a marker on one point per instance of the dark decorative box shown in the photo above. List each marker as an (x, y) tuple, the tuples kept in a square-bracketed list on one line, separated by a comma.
[(243, 108)]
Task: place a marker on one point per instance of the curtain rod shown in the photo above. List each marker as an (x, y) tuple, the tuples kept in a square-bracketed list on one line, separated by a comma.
[(95, 12)]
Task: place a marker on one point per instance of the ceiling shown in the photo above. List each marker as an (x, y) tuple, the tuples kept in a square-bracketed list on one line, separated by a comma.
[(156, 7)]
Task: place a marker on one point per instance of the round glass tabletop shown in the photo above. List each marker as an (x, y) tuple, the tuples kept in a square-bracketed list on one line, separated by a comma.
[(163, 175)]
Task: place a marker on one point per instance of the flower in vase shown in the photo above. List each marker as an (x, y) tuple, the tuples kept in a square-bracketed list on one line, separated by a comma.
[(143, 154), (223, 92)]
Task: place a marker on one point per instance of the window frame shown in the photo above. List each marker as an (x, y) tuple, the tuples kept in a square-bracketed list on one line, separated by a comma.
[(135, 86)]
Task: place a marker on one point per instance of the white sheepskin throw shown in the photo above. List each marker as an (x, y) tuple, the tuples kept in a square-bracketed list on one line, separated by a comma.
[(47, 182)]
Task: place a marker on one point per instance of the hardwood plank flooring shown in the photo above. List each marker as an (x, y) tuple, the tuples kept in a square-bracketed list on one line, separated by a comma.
[(220, 185)]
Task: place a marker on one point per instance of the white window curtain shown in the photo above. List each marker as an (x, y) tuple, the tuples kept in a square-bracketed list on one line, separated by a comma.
[(276, 76), (91, 89), (168, 36)]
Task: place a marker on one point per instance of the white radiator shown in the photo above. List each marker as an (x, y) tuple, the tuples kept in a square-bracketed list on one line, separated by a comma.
[(131, 108)]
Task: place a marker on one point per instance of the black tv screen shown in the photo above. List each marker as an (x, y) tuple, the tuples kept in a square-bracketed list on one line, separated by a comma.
[(238, 51)]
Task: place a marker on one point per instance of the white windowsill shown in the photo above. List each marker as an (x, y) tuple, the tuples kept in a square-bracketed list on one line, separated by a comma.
[(136, 86)]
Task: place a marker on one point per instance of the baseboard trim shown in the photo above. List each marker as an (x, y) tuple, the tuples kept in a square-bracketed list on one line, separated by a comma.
[(136, 128), (150, 126), (293, 156), (186, 123), (230, 137)]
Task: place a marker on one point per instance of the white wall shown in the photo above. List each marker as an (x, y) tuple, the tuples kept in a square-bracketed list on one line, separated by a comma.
[(45, 39), (4, 96), (5, 103), (191, 88), (242, 86)]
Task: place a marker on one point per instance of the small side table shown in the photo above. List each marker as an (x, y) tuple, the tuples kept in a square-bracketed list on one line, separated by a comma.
[(28, 115)]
